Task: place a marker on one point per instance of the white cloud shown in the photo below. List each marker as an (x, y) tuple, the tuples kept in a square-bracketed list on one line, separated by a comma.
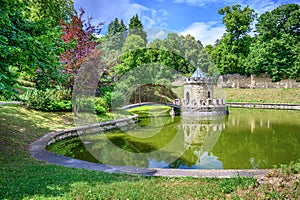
[(157, 33), (107, 10), (200, 3), (206, 32), (260, 6)]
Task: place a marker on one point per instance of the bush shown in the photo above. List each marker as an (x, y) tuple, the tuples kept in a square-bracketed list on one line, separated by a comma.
[(64, 105), (99, 109), (89, 104), (84, 104), (48, 100), (100, 101)]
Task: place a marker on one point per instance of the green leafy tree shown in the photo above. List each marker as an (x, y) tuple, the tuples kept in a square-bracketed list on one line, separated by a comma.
[(276, 49), (233, 48), (133, 42), (237, 20), (282, 20), (132, 54), (27, 47), (54, 11), (187, 47)]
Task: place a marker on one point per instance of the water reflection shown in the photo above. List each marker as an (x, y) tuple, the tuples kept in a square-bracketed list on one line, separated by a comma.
[(247, 139), (200, 136), (259, 139)]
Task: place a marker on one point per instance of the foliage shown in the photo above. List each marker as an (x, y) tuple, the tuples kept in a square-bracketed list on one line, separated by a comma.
[(25, 83), (276, 49), (100, 109), (27, 47), (100, 105), (282, 20), (115, 27), (183, 53), (136, 28), (78, 33), (54, 11), (233, 48), (116, 35), (237, 20), (48, 100), (133, 42), (132, 59), (103, 102)]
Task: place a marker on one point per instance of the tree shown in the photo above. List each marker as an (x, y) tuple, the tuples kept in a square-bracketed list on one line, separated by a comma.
[(237, 21), (282, 20), (186, 47), (115, 27), (136, 28), (27, 48), (81, 32), (133, 42), (276, 49), (233, 48), (54, 11), (116, 35)]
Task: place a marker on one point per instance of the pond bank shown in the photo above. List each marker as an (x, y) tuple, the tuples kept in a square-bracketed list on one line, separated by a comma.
[(38, 151), (265, 106)]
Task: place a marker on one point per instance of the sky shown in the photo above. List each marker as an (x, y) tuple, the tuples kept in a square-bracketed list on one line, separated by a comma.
[(198, 18)]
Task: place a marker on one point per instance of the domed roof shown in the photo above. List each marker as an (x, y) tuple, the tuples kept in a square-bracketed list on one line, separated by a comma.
[(198, 74)]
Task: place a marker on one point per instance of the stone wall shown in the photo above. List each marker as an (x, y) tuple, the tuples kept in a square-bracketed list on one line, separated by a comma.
[(265, 106), (92, 128), (238, 81)]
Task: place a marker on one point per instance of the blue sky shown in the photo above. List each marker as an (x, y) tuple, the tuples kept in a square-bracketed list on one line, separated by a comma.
[(199, 18)]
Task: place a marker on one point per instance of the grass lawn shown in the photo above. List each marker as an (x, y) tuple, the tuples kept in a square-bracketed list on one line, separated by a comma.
[(266, 95), (269, 95), (22, 177)]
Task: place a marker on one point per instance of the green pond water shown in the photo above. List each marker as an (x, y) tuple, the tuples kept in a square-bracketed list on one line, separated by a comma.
[(246, 139)]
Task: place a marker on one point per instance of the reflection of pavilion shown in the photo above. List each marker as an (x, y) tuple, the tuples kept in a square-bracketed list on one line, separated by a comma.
[(200, 137)]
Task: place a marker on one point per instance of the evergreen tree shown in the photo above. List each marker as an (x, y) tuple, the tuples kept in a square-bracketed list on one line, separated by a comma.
[(116, 35), (136, 28)]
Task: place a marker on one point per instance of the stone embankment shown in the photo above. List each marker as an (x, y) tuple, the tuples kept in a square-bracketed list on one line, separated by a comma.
[(265, 106), (92, 128)]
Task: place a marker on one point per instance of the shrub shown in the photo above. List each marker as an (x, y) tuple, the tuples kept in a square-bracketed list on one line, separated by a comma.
[(99, 109), (64, 105), (89, 104), (48, 100), (100, 101), (84, 104)]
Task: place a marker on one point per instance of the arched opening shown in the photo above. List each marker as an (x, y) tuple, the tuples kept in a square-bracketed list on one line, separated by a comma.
[(187, 98), (208, 94)]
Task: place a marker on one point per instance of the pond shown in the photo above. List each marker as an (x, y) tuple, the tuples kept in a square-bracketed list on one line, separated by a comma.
[(246, 139)]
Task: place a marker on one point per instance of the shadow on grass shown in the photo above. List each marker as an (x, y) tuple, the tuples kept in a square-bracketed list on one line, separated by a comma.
[(53, 181)]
